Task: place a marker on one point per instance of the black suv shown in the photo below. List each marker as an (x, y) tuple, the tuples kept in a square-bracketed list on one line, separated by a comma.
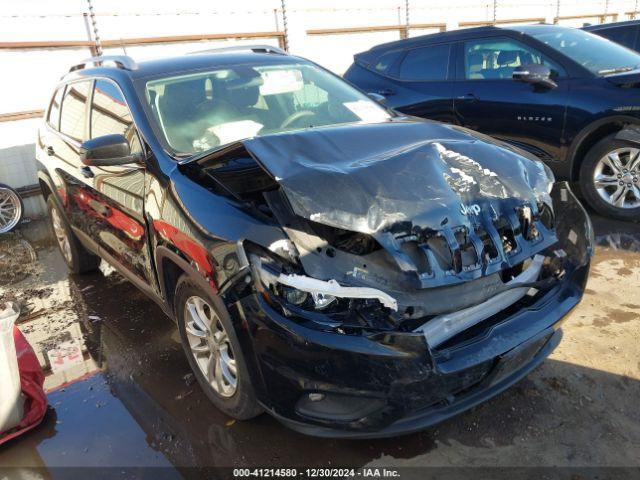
[(565, 95), (624, 33), (351, 272)]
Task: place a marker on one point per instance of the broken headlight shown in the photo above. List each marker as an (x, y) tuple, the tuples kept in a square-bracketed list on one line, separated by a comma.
[(322, 292), (318, 301), (323, 302), (294, 296)]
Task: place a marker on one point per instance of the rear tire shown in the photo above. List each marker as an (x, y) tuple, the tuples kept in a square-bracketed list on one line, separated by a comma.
[(75, 255), (610, 178), (213, 350)]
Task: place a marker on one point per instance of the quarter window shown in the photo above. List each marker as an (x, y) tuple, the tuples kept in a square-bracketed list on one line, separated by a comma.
[(72, 120), (497, 59), (111, 115), (386, 61), (53, 118), (427, 63)]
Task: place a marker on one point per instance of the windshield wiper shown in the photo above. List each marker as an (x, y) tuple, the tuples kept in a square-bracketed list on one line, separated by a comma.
[(609, 71)]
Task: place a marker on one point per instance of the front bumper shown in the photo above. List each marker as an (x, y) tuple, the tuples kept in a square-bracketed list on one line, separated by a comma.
[(384, 384), (419, 420)]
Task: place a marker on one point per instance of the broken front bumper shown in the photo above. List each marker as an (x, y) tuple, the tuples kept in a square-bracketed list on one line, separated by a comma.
[(382, 384)]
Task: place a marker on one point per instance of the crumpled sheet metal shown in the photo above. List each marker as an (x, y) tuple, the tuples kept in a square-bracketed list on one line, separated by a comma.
[(366, 178)]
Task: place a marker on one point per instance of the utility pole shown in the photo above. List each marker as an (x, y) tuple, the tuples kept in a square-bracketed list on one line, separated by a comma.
[(96, 35), (557, 19), (495, 11)]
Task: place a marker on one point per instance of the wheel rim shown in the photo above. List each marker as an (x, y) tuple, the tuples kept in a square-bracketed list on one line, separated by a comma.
[(210, 346), (617, 178), (61, 234), (10, 209)]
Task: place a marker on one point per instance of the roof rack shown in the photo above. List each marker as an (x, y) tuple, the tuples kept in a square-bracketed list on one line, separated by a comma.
[(245, 48), (123, 62)]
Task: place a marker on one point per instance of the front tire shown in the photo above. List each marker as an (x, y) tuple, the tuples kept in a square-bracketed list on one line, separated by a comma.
[(610, 178), (77, 258), (214, 353)]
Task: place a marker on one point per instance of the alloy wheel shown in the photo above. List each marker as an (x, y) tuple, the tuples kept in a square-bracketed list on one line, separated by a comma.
[(210, 346), (10, 209), (616, 177), (61, 234)]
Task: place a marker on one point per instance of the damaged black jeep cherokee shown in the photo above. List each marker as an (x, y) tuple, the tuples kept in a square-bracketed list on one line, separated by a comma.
[(350, 271)]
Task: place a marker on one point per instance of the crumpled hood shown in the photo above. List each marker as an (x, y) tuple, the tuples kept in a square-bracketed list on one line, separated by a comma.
[(368, 177)]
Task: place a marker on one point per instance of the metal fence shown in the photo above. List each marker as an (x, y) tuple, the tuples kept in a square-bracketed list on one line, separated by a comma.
[(329, 32)]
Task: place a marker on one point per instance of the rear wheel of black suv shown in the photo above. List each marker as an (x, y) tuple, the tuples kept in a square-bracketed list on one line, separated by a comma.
[(212, 348), (610, 178), (77, 258)]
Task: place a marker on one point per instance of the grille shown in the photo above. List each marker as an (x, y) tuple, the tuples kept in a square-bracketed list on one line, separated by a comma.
[(459, 254)]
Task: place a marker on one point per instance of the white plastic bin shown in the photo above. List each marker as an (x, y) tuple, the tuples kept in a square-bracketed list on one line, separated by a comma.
[(11, 400)]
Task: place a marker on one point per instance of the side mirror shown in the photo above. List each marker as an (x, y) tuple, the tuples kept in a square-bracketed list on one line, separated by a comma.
[(535, 74), (106, 151), (376, 97)]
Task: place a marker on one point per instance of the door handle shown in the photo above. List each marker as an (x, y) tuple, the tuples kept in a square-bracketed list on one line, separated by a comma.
[(50, 151), (386, 92), (86, 172), (471, 97)]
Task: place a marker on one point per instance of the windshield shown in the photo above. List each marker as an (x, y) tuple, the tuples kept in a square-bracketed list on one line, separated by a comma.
[(199, 112), (597, 54)]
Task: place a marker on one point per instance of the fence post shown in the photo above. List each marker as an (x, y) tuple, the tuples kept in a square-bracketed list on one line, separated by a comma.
[(98, 47), (285, 27), (402, 29), (406, 18), (92, 47)]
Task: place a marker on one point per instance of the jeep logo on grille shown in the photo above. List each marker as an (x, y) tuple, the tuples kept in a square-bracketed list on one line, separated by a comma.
[(474, 208)]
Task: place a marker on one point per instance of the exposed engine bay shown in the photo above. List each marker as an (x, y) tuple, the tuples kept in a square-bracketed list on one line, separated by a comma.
[(394, 232)]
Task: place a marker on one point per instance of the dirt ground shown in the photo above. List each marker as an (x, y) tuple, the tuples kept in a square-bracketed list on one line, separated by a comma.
[(121, 394)]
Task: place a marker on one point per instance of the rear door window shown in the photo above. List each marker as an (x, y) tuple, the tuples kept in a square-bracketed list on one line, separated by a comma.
[(73, 116), (53, 119), (111, 115), (425, 64)]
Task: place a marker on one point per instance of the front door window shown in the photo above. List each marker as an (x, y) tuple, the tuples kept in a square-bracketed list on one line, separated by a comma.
[(497, 58)]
